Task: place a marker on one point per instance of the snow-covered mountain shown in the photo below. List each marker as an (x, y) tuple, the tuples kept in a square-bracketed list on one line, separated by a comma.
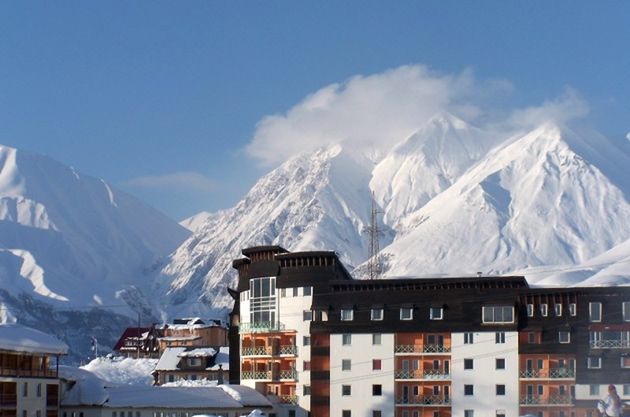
[(454, 200), (193, 223), (73, 242)]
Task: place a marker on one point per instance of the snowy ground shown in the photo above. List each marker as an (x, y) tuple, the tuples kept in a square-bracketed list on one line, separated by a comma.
[(120, 370)]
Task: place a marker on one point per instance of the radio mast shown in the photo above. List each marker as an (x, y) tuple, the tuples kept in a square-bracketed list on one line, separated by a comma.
[(374, 261)]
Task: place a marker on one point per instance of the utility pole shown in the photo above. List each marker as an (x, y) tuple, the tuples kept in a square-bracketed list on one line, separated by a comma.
[(374, 261), (138, 339)]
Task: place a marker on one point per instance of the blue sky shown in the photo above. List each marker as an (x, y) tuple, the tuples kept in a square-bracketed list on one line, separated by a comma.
[(163, 98)]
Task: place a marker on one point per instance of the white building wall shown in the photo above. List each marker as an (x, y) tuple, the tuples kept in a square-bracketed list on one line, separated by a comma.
[(361, 377), (484, 376), (99, 411), (583, 392), (31, 402)]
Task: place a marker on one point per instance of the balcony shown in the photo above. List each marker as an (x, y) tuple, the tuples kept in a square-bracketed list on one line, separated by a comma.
[(610, 344), (424, 400), (288, 399), (258, 375), (433, 375), (422, 349), (288, 350), (256, 351), (28, 373), (545, 401), (288, 374), (261, 327), (283, 375), (553, 373)]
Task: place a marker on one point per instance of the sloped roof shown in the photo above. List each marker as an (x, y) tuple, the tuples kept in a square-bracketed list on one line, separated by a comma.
[(130, 332), (169, 359), (18, 338)]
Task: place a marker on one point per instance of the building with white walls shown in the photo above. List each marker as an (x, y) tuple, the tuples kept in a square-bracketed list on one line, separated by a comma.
[(303, 332)]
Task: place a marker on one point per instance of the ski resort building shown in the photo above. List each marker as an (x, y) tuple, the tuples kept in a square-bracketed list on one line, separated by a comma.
[(316, 341), (29, 377)]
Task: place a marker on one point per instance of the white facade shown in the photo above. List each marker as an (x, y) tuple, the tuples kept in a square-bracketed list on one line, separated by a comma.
[(31, 395), (361, 377), (484, 375), (583, 391), (98, 411)]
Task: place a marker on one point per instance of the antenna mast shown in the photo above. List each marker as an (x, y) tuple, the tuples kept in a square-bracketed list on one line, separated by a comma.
[(374, 261)]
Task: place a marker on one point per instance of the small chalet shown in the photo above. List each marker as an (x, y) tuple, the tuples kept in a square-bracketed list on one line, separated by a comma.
[(187, 332), (192, 364), (139, 342)]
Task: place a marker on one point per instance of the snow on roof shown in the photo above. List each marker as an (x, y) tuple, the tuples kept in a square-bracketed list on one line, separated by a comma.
[(169, 359), (88, 388), (123, 370), (247, 396), (222, 358), (18, 338), (198, 353), (179, 338), (142, 396), (204, 382)]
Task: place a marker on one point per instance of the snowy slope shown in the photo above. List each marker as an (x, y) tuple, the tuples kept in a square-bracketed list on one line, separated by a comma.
[(425, 164), (536, 200), (193, 223), (72, 239), (310, 202)]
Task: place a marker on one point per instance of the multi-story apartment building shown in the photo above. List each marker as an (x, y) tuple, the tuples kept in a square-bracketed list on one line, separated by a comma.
[(315, 340), (29, 378)]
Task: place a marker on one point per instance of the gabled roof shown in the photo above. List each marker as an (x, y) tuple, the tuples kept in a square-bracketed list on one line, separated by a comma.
[(18, 338), (130, 332), (169, 359)]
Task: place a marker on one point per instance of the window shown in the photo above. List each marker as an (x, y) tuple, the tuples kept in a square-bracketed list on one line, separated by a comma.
[(573, 309), (346, 364), (499, 337), (194, 361), (626, 389), (346, 390), (468, 364), (625, 361), (557, 308), (38, 413), (469, 390), (376, 364), (25, 389), (262, 306), (307, 291), (500, 413), (541, 390), (595, 311), (530, 310), (469, 413), (306, 340), (39, 390), (306, 390), (625, 308), (406, 313), (296, 291), (346, 339), (531, 338), (564, 337), (307, 315), (114, 414), (500, 389), (376, 413), (593, 389), (376, 339), (306, 365), (544, 310), (376, 314), (171, 378), (291, 413), (500, 363), (436, 313), (594, 362), (377, 390), (347, 314), (468, 338), (346, 413), (498, 314)]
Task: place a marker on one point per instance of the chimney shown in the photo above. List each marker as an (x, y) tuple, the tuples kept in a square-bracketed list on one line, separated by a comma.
[(220, 377)]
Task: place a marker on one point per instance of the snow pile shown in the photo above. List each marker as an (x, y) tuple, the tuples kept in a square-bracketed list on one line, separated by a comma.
[(245, 395), (190, 383), (198, 353), (126, 371), (18, 338), (87, 389)]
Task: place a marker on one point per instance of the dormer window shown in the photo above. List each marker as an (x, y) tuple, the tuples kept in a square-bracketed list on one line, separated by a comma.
[(498, 314), (436, 313), (376, 314), (194, 361), (530, 310), (573, 309), (544, 310), (347, 314), (558, 309), (406, 313), (595, 311)]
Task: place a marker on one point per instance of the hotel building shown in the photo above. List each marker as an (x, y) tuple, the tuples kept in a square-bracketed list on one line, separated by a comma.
[(318, 342)]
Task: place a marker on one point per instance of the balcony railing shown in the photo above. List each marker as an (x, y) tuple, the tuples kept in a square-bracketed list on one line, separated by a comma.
[(550, 400), (261, 327), (270, 375), (422, 349), (288, 399), (418, 374), (36, 373), (553, 373), (288, 350), (610, 344), (257, 351), (423, 400)]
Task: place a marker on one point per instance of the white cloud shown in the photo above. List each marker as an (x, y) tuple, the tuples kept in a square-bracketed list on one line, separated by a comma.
[(188, 180), (568, 106), (368, 111), (377, 111), (628, 136)]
